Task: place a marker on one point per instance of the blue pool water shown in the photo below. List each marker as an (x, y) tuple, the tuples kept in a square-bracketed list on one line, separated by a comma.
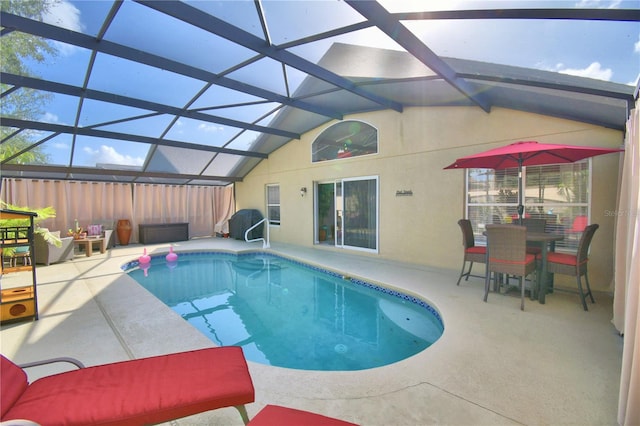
[(289, 314)]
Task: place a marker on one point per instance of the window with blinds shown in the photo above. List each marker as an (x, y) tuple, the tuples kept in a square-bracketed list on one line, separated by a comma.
[(558, 193), (273, 204)]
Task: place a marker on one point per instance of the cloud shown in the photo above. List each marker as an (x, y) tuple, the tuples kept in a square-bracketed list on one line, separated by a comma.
[(66, 15), (50, 117), (108, 155), (636, 47), (598, 4), (60, 145), (63, 14), (594, 70), (210, 128)]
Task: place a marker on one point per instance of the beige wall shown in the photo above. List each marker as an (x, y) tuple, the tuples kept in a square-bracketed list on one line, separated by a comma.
[(414, 146)]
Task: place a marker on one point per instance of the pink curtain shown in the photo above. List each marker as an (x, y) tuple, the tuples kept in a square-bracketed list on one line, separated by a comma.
[(224, 200), (201, 200), (99, 203), (102, 203), (37, 194), (201, 206), (626, 312), (148, 207)]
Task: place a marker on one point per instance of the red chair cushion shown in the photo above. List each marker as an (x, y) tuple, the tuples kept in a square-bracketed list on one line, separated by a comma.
[(579, 223), (562, 258), (13, 383), (142, 391), (274, 415), (476, 250)]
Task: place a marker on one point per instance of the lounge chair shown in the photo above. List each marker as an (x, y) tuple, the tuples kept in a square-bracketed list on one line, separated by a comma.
[(47, 254), (274, 415), (141, 391)]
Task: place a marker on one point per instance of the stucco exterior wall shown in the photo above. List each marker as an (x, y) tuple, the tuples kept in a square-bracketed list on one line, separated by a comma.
[(414, 146)]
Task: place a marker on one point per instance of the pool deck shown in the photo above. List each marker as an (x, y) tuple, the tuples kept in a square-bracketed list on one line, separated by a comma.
[(494, 365)]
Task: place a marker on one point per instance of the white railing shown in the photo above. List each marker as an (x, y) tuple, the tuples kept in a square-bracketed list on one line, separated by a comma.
[(265, 243)]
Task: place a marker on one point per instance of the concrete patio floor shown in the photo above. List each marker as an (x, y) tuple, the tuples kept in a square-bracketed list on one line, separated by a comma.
[(552, 364)]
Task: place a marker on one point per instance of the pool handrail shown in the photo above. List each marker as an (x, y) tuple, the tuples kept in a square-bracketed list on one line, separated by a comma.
[(265, 243)]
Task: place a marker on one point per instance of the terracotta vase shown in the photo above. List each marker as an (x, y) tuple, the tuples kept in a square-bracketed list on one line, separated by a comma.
[(123, 229)]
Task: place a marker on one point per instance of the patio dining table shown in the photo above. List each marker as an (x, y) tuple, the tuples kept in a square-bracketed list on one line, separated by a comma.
[(543, 239)]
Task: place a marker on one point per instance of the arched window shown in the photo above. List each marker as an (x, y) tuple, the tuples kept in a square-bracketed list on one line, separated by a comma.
[(344, 140)]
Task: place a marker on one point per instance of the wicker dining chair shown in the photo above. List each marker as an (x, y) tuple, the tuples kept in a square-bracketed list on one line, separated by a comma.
[(575, 264), (472, 253), (534, 225), (507, 254)]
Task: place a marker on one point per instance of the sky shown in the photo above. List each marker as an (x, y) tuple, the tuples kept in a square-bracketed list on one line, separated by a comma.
[(601, 50), (604, 51)]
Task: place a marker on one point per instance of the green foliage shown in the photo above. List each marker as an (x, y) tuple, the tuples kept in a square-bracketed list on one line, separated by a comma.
[(16, 50), (18, 144), (43, 213)]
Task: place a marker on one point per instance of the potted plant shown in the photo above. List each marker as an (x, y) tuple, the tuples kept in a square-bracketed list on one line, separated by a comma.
[(43, 213), (77, 232)]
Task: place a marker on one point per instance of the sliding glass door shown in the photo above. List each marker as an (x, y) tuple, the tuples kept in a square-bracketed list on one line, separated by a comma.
[(360, 221), (325, 213), (347, 213)]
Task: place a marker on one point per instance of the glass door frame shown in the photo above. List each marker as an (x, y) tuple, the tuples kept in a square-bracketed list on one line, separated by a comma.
[(338, 211), (332, 236)]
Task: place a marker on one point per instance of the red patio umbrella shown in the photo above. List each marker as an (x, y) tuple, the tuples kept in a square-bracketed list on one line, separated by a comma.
[(527, 153)]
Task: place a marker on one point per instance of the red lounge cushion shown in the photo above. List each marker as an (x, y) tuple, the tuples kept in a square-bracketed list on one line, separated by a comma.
[(274, 415), (563, 258), (13, 381), (476, 250), (142, 391)]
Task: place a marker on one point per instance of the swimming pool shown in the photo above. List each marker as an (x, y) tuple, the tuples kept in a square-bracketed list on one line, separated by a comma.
[(289, 314)]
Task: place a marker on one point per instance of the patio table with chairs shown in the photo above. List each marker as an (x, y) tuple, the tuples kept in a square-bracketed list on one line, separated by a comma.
[(517, 252), (508, 252)]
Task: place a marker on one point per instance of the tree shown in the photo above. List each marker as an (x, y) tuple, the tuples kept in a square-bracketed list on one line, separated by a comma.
[(27, 104)]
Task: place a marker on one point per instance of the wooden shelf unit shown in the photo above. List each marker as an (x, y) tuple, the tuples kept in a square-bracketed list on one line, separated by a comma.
[(18, 303)]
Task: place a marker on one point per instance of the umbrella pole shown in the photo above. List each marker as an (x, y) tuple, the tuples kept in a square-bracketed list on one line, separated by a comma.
[(520, 196)]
